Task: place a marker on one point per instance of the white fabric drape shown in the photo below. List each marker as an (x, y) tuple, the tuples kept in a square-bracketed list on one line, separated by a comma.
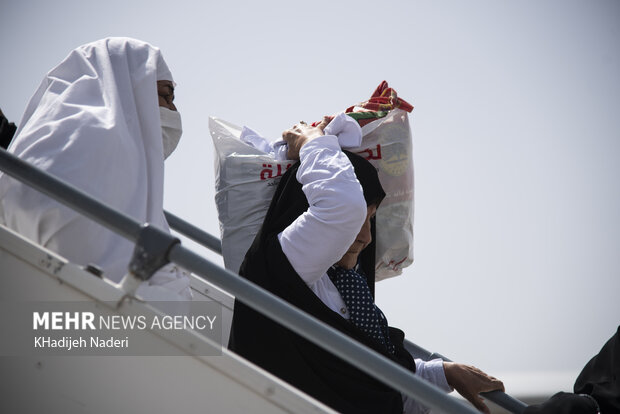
[(94, 122)]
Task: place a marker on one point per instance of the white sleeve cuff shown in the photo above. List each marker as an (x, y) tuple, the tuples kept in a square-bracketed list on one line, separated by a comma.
[(432, 371), (325, 141)]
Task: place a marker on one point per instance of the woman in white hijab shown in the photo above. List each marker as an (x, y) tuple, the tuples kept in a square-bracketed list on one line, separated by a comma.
[(96, 123)]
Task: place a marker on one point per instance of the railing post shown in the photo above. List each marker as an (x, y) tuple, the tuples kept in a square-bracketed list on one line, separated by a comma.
[(151, 251)]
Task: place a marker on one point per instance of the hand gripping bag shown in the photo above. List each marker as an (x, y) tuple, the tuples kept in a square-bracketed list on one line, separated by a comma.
[(246, 178)]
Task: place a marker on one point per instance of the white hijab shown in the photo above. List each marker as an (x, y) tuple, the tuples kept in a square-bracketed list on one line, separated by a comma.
[(94, 122)]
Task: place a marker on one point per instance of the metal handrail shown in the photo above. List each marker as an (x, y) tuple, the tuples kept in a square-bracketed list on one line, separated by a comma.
[(194, 233), (305, 325), (500, 398)]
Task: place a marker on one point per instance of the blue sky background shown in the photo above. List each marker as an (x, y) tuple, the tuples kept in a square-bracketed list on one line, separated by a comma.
[(516, 144)]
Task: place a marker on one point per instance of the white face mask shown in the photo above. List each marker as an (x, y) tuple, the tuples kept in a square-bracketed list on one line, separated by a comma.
[(171, 129)]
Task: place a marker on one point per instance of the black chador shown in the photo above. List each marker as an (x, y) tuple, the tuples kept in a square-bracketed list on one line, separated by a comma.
[(286, 354)]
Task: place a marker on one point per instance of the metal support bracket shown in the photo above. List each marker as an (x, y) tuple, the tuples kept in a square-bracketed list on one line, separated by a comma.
[(151, 251)]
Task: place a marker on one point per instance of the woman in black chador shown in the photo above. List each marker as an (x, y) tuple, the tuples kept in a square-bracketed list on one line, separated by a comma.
[(311, 252)]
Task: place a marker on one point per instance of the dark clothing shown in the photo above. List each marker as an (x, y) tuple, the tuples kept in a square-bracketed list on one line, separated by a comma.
[(7, 130), (600, 378), (564, 403), (286, 354)]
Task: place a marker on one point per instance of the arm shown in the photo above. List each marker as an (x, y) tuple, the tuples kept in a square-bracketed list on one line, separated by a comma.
[(320, 237)]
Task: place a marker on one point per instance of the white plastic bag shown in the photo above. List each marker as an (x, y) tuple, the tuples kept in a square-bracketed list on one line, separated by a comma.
[(246, 179), (386, 143)]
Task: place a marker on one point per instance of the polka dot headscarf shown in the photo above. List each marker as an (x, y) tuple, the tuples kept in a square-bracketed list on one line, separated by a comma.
[(363, 312)]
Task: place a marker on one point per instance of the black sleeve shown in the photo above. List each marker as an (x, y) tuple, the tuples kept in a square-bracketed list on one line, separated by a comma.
[(7, 130)]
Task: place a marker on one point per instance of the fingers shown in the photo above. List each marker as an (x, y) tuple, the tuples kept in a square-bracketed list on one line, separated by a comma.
[(297, 129), (479, 404), (472, 396), (476, 400), (324, 122), (495, 385), (487, 382), (289, 135)]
